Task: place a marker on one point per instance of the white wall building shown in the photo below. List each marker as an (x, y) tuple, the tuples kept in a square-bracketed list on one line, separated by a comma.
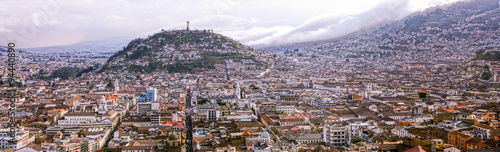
[(75, 118)]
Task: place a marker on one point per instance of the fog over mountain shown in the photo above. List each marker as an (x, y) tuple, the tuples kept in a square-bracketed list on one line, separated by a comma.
[(256, 22)]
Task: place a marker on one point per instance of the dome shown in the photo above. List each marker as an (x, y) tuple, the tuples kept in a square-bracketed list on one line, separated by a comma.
[(264, 134)]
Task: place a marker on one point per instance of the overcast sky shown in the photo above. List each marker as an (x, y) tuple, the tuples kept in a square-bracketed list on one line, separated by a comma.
[(36, 23)]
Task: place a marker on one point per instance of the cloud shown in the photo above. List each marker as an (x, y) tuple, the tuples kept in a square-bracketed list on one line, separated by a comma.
[(252, 22), (4, 30), (335, 25)]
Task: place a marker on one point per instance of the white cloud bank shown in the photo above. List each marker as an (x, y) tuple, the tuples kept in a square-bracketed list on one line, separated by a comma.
[(253, 22)]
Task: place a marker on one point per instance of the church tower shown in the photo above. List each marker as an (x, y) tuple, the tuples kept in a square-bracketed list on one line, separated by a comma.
[(117, 85), (238, 90), (102, 106)]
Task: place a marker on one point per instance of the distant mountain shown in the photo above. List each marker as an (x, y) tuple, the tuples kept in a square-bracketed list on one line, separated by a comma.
[(106, 46), (470, 11), (463, 27), (3, 48), (178, 51)]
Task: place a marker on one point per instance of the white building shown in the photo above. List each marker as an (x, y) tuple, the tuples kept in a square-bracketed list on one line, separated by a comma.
[(213, 115), (75, 118), (357, 129), (145, 107), (335, 134), (401, 132), (21, 139), (309, 138), (288, 109)]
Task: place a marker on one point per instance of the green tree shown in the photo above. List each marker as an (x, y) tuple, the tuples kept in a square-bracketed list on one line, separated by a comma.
[(222, 103), (496, 85), (65, 72), (356, 140), (203, 101), (486, 75), (422, 95), (110, 84), (341, 148)]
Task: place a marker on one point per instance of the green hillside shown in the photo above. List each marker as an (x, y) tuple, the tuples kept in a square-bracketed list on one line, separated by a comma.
[(178, 52)]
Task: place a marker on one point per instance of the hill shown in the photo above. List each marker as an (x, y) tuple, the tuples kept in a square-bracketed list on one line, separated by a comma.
[(3, 50), (488, 54), (463, 21), (104, 46), (179, 51), (451, 33)]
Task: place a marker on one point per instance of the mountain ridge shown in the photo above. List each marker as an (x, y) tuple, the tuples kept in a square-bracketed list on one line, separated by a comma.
[(178, 51)]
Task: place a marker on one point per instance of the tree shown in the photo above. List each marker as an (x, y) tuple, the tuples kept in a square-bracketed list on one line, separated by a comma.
[(203, 101), (221, 103), (422, 95), (496, 85), (341, 148), (65, 72), (486, 75), (356, 140), (110, 84)]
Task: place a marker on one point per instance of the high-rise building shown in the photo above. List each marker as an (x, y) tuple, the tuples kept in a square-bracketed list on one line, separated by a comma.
[(141, 99), (213, 115), (151, 95), (335, 134)]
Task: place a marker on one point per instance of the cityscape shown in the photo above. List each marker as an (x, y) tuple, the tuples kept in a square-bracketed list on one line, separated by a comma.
[(427, 82)]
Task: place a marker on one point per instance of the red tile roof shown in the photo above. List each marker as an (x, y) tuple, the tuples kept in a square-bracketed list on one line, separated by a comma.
[(167, 122), (416, 149)]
